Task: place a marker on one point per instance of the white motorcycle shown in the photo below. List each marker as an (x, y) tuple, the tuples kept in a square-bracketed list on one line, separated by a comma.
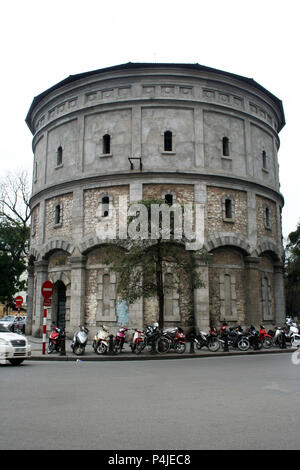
[(293, 333), (101, 341), (79, 341)]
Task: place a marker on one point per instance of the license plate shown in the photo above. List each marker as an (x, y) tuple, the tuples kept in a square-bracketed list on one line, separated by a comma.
[(19, 350)]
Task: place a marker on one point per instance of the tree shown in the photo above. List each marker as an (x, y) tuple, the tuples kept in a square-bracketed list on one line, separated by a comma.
[(140, 263), (14, 233), (292, 273)]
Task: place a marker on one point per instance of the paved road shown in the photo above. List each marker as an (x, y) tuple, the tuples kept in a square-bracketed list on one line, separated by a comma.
[(243, 402)]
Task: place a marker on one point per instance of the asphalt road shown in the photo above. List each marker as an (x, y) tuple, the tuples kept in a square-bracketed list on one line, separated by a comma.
[(244, 402)]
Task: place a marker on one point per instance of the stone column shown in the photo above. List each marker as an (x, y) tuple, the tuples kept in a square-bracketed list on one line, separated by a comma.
[(30, 293), (279, 295), (77, 305), (41, 268), (253, 314), (201, 295)]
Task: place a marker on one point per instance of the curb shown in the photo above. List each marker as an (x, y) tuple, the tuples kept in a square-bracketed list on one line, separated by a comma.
[(150, 357)]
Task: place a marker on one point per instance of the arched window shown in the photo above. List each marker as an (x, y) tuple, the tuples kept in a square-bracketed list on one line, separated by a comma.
[(59, 156), (106, 144), (225, 146), (168, 147)]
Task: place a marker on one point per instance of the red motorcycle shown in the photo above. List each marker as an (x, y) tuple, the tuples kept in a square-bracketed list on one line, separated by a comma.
[(120, 340), (176, 339), (265, 338), (55, 340)]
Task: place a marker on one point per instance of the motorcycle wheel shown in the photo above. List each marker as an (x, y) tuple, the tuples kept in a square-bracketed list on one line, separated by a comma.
[(50, 348), (139, 347), (162, 345), (267, 343), (180, 347), (213, 345), (117, 347), (243, 344), (101, 348), (78, 350)]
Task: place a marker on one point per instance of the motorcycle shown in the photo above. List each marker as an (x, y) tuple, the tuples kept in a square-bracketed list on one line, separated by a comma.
[(136, 338), (236, 338), (55, 340), (266, 338), (176, 338), (120, 340), (209, 340), (101, 341), (153, 340), (79, 341)]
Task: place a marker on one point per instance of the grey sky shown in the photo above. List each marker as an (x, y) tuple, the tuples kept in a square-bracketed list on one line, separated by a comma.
[(44, 42)]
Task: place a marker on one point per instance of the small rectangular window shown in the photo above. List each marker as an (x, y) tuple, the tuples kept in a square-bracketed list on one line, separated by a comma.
[(225, 146), (168, 141)]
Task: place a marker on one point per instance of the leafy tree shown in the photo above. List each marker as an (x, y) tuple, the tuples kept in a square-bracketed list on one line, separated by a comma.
[(140, 263), (292, 273), (14, 233)]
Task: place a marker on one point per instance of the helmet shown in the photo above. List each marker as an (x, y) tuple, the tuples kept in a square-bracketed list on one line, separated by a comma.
[(155, 324), (104, 328)]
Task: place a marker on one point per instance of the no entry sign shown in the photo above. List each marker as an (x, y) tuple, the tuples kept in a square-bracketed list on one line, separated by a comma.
[(47, 289), (18, 301)]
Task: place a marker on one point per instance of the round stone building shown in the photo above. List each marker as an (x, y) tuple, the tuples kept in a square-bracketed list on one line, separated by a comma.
[(179, 132)]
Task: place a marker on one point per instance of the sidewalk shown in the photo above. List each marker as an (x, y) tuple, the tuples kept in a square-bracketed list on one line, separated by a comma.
[(127, 355)]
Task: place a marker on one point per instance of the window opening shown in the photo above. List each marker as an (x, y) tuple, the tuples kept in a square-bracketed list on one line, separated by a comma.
[(168, 141), (225, 144), (59, 156), (228, 209), (106, 144), (105, 206)]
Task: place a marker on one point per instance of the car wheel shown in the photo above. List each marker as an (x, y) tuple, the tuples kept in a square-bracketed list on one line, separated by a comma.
[(16, 362)]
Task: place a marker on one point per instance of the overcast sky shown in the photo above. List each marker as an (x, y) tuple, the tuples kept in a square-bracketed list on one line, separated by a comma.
[(44, 42)]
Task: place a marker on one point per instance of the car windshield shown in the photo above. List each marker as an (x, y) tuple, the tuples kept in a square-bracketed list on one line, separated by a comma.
[(3, 329), (7, 318)]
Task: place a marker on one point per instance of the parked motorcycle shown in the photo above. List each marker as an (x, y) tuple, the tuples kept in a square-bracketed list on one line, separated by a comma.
[(153, 340), (209, 340), (176, 338), (266, 338), (101, 341), (236, 338), (137, 337), (55, 340), (120, 340), (79, 341)]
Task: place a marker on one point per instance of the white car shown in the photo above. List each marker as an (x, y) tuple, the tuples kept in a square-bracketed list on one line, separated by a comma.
[(13, 347)]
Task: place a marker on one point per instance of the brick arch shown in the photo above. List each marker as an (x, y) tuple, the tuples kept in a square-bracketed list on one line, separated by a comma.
[(268, 246), (224, 240), (64, 244), (91, 242)]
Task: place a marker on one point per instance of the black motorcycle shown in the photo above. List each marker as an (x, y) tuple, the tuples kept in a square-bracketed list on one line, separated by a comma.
[(153, 340), (236, 338)]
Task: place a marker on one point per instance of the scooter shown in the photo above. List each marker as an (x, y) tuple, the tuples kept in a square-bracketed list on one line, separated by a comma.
[(120, 340), (137, 337), (79, 341), (101, 341), (55, 340)]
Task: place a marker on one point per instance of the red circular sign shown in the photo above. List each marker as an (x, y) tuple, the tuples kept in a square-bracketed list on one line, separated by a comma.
[(19, 300), (47, 289)]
